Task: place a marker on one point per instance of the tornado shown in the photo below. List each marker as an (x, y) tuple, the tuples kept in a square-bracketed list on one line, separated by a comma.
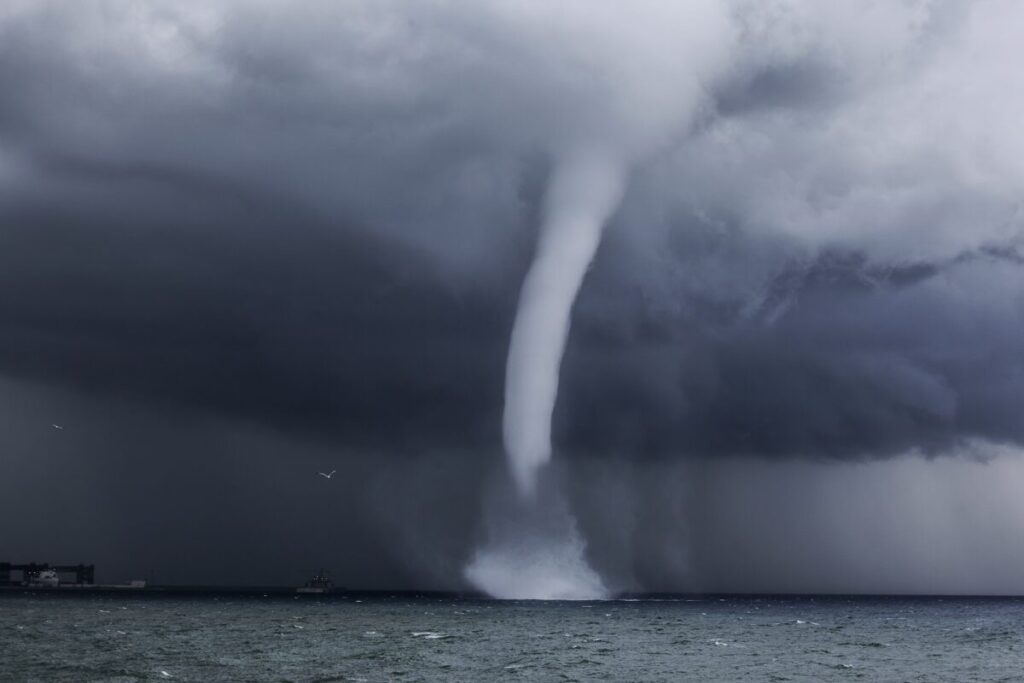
[(584, 190)]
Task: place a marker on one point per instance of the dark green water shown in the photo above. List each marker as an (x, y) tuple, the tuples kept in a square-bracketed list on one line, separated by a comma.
[(48, 637)]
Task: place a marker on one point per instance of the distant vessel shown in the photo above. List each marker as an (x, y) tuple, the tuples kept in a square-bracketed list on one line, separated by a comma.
[(47, 578), (318, 584), (46, 575)]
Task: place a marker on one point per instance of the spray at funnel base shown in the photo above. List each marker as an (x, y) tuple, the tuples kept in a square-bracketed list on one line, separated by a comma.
[(585, 189), (533, 550), (537, 569)]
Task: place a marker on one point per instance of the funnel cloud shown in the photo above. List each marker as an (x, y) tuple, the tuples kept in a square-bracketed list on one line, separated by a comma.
[(583, 193)]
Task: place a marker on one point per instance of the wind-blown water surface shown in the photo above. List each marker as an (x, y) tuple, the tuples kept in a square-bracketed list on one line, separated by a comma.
[(402, 637)]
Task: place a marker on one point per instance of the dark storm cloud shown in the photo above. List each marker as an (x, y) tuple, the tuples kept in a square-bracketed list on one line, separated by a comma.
[(842, 358), (316, 331), (317, 221), (268, 224)]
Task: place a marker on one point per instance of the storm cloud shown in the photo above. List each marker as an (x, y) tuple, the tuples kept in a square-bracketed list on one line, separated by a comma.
[(312, 222)]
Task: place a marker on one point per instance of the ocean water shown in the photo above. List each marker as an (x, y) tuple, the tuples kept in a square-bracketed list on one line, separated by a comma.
[(53, 637)]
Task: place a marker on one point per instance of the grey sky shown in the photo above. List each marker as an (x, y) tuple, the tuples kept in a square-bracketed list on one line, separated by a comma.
[(267, 238)]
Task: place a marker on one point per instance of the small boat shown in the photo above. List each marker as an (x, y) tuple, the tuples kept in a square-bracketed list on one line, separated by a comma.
[(318, 584)]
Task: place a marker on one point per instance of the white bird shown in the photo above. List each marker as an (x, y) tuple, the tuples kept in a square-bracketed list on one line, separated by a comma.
[(327, 476), (56, 426)]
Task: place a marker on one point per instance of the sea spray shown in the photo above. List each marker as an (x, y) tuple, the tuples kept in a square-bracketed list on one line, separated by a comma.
[(533, 549)]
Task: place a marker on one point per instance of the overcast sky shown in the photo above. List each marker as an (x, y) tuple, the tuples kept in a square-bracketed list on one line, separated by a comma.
[(245, 241)]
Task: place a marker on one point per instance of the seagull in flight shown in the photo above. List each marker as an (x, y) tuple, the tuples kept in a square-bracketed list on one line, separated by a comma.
[(57, 426), (327, 476)]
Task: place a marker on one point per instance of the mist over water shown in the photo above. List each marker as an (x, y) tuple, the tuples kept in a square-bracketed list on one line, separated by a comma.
[(533, 547)]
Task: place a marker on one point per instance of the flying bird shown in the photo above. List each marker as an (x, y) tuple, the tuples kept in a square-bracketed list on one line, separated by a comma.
[(327, 476), (56, 426)]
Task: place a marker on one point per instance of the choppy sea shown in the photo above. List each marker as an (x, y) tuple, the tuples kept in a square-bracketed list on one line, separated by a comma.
[(54, 637)]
